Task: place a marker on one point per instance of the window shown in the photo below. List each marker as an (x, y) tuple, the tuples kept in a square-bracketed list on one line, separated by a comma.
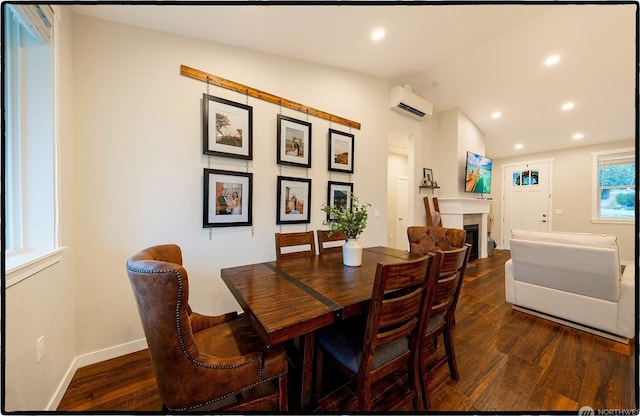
[(30, 168), (615, 185)]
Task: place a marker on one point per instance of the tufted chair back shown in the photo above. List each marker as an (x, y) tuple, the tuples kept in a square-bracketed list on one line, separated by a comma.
[(198, 360), (428, 239)]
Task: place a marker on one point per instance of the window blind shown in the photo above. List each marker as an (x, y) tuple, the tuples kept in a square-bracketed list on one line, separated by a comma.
[(37, 20)]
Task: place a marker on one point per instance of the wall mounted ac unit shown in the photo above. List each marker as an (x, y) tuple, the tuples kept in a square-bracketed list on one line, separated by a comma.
[(404, 101)]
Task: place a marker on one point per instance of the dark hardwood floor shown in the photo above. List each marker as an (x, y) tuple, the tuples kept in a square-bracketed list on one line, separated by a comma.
[(508, 361)]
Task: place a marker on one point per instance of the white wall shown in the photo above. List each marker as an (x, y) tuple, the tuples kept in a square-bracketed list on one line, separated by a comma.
[(131, 176), (571, 192), (140, 164), (456, 135)]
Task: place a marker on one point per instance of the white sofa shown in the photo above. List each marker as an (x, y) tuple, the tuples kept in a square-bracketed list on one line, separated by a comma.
[(574, 277)]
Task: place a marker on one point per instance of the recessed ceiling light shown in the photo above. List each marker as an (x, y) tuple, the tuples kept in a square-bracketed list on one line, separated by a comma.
[(578, 136), (568, 105), (496, 114), (552, 60), (519, 146), (377, 34)]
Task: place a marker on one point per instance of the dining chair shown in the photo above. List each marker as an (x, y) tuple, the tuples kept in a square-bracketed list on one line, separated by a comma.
[(429, 239), (387, 340), (201, 362), (433, 219), (327, 241), (447, 273), (295, 244)]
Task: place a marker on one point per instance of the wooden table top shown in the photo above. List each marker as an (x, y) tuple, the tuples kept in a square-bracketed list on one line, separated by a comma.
[(292, 297)]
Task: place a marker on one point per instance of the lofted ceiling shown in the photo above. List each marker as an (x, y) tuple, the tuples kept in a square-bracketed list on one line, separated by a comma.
[(481, 58)]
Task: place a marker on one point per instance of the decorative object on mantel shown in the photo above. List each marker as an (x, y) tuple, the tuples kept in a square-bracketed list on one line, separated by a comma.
[(352, 223), (428, 179), (227, 128), (265, 96)]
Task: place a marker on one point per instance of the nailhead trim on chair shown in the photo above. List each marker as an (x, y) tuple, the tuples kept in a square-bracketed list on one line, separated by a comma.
[(193, 360)]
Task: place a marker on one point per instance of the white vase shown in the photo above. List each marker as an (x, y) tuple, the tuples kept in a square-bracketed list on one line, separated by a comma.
[(352, 253)]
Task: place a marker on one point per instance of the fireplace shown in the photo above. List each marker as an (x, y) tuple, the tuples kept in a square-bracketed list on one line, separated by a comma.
[(472, 238), (461, 212)]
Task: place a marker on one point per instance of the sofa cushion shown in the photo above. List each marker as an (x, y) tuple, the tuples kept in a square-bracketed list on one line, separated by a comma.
[(588, 271), (576, 239)]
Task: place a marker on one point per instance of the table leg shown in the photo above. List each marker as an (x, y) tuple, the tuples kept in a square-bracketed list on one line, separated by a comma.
[(308, 352)]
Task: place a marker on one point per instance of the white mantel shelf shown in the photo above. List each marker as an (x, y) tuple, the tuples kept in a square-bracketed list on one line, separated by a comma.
[(453, 211)]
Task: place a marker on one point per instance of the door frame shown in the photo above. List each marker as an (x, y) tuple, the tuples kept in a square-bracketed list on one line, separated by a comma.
[(408, 200)]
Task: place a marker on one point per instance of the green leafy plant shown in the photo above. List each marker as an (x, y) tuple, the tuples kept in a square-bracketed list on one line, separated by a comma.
[(351, 222)]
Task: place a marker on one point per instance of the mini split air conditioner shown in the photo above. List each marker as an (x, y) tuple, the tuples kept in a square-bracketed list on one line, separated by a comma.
[(404, 101)]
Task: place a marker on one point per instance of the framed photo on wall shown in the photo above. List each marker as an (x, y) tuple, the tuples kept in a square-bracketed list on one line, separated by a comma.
[(227, 128), (227, 198), (294, 142), (338, 195), (427, 176), (340, 151), (294, 200)]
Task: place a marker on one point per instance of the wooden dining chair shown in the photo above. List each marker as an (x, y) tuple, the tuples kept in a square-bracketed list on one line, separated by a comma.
[(295, 244), (388, 340), (448, 273), (433, 219), (327, 241), (202, 362)]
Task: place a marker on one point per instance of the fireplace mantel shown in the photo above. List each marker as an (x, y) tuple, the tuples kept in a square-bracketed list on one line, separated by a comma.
[(454, 210)]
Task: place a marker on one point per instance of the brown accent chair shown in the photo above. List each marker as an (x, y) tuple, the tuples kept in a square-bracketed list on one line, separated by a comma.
[(326, 238), (302, 239), (427, 239), (448, 272), (388, 340), (201, 362)]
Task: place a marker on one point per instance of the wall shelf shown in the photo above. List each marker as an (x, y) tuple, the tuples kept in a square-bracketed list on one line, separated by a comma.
[(421, 187)]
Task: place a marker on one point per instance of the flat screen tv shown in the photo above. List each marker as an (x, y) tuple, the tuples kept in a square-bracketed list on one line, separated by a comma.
[(477, 174)]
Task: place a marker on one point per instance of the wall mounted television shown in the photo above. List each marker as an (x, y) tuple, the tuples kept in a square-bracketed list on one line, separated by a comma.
[(477, 177)]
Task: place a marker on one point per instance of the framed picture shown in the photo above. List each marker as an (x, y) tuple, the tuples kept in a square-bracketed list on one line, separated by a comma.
[(338, 195), (427, 176), (227, 198), (340, 151), (294, 142), (294, 201), (227, 128)]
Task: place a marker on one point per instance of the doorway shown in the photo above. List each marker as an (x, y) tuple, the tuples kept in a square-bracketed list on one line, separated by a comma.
[(402, 212), (527, 197)]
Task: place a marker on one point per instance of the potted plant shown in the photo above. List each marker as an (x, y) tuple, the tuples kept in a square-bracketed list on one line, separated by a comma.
[(352, 222)]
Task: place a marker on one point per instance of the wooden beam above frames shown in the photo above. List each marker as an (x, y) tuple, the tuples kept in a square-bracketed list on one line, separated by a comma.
[(274, 99)]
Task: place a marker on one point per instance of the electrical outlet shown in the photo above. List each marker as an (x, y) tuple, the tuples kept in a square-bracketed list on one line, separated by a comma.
[(40, 348)]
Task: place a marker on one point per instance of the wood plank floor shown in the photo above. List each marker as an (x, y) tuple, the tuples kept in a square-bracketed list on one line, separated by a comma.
[(508, 362)]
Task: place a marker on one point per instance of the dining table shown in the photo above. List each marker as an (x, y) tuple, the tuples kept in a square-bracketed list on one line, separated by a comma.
[(294, 297)]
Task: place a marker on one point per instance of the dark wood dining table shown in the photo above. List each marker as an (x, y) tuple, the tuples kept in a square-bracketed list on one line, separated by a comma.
[(294, 297)]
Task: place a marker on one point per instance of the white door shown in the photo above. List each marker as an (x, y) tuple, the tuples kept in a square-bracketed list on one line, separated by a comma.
[(527, 198), (402, 197)]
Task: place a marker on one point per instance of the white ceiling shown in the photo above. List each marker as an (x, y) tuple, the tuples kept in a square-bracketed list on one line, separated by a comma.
[(486, 57)]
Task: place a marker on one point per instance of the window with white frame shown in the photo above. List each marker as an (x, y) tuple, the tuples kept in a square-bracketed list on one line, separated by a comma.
[(615, 185), (30, 167)]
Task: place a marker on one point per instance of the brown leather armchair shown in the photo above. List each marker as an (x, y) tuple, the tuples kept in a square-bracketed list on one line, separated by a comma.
[(428, 239), (201, 362)]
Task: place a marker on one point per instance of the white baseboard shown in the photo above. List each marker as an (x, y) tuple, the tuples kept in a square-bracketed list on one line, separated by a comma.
[(92, 358)]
